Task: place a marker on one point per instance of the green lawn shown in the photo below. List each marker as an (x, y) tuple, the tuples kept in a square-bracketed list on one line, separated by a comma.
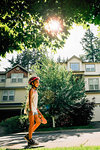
[(72, 148), (69, 148)]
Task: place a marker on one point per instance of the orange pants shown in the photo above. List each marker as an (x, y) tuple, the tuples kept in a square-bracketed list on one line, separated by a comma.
[(32, 126)]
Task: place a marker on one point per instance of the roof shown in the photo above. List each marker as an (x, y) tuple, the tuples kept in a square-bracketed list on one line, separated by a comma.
[(91, 62), (13, 87), (74, 57), (17, 66), (4, 72)]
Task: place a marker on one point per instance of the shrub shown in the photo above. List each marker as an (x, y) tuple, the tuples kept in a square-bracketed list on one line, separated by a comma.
[(82, 113), (79, 114), (63, 120), (21, 123), (15, 124)]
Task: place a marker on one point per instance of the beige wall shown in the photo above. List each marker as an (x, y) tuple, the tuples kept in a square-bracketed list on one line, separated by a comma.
[(19, 96), (2, 84), (97, 107), (10, 84), (96, 95), (96, 113)]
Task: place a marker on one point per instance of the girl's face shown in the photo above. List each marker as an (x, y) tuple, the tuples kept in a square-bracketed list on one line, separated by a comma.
[(36, 83)]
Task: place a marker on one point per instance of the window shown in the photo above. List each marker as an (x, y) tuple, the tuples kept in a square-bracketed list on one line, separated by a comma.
[(2, 78), (8, 95), (17, 77), (93, 84), (90, 68), (75, 66)]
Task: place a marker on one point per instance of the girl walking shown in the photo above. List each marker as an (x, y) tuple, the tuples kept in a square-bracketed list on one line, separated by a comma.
[(33, 112)]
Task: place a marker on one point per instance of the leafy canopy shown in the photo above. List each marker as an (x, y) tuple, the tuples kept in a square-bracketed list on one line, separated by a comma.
[(22, 21)]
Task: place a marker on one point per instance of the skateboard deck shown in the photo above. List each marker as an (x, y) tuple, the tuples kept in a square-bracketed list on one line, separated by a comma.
[(33, 146), (43, 120)]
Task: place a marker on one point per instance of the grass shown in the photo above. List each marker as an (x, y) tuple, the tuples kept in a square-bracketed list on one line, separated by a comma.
[(73, 148), (90, 126), (65, 148)]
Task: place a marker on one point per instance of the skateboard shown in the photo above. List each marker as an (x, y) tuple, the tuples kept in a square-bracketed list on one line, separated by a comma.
[(33, 146), (43, 120)]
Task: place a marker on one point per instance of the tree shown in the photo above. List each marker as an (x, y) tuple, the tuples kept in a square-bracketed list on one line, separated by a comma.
[(91, 46), (22, 21), (64, 60), (59, 92), (59, 59), (97, 49), (28, 58)]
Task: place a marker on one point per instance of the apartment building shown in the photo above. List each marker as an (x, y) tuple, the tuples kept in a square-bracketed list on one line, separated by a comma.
[(13, 85), (91, 72), (13, 91)]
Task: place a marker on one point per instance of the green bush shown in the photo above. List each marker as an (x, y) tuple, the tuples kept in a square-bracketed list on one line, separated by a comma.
[(15, 124), (21, 123), (82, 113), (79, 114)]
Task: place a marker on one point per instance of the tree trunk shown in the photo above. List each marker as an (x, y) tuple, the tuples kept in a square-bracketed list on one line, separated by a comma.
[(53, 121)]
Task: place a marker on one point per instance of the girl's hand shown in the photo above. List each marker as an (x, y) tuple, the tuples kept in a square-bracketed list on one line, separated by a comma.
[(25, 111), (39, 112)]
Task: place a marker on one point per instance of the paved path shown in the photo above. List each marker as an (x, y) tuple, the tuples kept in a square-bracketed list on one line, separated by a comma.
[(65, 138)]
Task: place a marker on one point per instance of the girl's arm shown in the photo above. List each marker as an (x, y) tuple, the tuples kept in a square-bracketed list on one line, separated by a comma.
[(30, 99)]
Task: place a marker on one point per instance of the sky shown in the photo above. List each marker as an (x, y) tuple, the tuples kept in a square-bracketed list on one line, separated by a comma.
[(72, 46)]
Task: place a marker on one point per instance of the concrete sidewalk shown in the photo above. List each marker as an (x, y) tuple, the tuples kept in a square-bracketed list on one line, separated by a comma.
[(64, 138)]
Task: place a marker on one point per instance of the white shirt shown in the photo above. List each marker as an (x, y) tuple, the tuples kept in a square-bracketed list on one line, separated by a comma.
[(34, 101)]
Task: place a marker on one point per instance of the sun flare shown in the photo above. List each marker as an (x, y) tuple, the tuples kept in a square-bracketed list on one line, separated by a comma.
[(53, 26)]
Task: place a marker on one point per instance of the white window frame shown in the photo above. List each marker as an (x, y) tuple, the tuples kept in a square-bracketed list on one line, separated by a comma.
[(89, 69), (94, 85), (74, 64), (17, 77), (8, 94), (2, 78)]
